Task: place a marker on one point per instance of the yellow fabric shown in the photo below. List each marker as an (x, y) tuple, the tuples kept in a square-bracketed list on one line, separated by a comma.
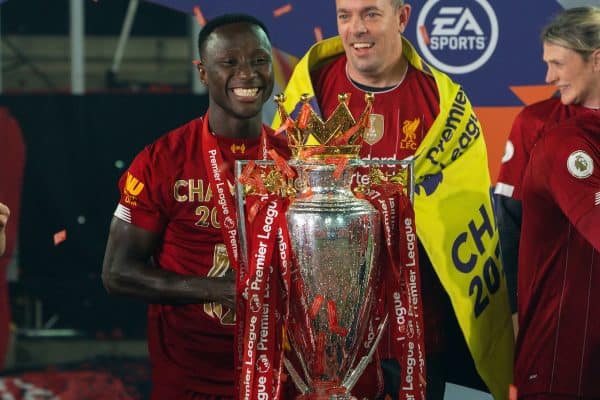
[(450, 220)]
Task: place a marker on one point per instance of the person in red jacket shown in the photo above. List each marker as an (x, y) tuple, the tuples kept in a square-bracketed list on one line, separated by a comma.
[(172, 240), (559, 264), (570, 42)]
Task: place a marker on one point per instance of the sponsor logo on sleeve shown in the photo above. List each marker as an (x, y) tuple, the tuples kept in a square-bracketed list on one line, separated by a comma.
[(509, 152), (133, 188), (580, 164), (457, 36)]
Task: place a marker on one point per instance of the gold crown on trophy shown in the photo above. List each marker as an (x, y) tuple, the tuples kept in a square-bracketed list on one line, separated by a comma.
[(311, 138)]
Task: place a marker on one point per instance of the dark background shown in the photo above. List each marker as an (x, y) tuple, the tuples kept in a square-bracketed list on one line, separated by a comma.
[(102, 17), (73, 147)]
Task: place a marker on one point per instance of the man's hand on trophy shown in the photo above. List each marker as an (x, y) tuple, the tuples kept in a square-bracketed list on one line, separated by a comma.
[(226, 294), (4, 214)]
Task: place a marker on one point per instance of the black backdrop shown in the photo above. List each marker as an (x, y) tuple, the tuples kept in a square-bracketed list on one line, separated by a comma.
[(74, 145)]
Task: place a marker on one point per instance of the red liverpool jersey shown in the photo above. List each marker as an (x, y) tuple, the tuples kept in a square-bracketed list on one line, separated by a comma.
[(527, 128), (166, 189), (400, 118), (401, 115), (558, 348)]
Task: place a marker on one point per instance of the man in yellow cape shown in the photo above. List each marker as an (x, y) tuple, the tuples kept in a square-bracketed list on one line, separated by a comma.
[(454, 214)]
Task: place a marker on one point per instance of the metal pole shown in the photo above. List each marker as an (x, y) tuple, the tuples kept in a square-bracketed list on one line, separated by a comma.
[(197, 86), (125, 31), (77, 47)]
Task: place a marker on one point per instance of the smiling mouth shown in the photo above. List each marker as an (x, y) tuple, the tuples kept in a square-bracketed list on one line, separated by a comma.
[(362, 45), (246, 92)]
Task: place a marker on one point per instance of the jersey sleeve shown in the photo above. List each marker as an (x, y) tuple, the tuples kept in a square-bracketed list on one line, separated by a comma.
[(516, 155), (141, 198), (574, 172)]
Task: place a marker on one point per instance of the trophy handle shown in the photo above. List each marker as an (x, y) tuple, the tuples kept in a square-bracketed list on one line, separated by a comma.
[(300, 385), (354, 374)]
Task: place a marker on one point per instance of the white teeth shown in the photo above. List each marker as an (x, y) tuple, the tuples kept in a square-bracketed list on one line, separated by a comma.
[(245, 92), (362, 45)]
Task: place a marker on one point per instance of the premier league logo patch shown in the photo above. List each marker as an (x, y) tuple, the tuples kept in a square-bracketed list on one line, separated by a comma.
[(580, 164)]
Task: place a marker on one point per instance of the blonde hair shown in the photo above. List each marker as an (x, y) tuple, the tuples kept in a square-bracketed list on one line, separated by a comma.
[(577, 29)]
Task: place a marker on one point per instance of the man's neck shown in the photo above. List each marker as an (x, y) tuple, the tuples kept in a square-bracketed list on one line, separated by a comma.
[(390, 76), (228, 126)]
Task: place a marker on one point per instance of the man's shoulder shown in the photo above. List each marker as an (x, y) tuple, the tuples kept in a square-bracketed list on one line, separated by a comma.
[(327, 66), (173, 145), (177, 137)]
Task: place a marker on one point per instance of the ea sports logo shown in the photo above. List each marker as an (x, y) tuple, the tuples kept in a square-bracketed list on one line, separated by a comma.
[(457, 36)]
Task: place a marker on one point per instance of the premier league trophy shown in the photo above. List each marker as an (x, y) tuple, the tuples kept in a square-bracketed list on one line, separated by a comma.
[(335, 239)]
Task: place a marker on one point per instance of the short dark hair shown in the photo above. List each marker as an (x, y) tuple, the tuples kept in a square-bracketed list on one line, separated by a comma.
[(227, 19)]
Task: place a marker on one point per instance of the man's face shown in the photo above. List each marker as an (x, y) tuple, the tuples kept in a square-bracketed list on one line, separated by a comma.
[(578, 80), (370, 31), (237, 68)]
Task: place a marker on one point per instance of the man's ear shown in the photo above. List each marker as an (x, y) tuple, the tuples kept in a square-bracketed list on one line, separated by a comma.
[(595, 59), (403, 16), (201, 72)]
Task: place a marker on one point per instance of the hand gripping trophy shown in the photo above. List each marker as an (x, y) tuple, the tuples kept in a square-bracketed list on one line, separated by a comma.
[(313, 257)]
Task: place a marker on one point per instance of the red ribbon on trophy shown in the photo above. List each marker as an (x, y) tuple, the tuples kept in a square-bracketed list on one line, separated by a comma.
[(403, 288), (265, 289)]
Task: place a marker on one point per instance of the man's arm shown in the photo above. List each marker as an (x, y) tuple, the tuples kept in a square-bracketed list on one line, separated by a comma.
[(4, 214), (129, 271)]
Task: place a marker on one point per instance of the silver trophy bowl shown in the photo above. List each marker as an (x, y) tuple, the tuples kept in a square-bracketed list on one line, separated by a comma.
[(335, 241)]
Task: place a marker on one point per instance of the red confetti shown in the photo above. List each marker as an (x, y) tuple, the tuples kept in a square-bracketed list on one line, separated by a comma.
[(281, 164), (316, 305), (199, 16), (307, 193), (278, 12), (318, 33), (304, 116), (60, 237), (512, 392), (288, 123), (339, 330), (424, 34), (332, 314)]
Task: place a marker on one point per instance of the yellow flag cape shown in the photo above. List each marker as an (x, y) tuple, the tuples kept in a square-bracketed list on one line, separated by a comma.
[(454, 216)]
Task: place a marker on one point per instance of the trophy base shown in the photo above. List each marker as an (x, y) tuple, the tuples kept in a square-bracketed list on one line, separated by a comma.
[(326, 390), (314, 396)]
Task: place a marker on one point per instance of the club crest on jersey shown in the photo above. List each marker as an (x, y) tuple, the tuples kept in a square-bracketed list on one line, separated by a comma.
[(409, 129), (580, 164), (375, 131), (509, 152)]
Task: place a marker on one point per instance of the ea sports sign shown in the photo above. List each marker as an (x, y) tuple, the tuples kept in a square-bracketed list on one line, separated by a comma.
[(457, 36)]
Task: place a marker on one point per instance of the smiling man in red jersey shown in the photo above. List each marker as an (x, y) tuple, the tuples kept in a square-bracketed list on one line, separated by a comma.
[(419, 112), (173, 238)]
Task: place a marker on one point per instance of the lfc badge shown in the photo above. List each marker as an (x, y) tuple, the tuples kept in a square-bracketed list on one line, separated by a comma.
[(409, 128), (374, 132)]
